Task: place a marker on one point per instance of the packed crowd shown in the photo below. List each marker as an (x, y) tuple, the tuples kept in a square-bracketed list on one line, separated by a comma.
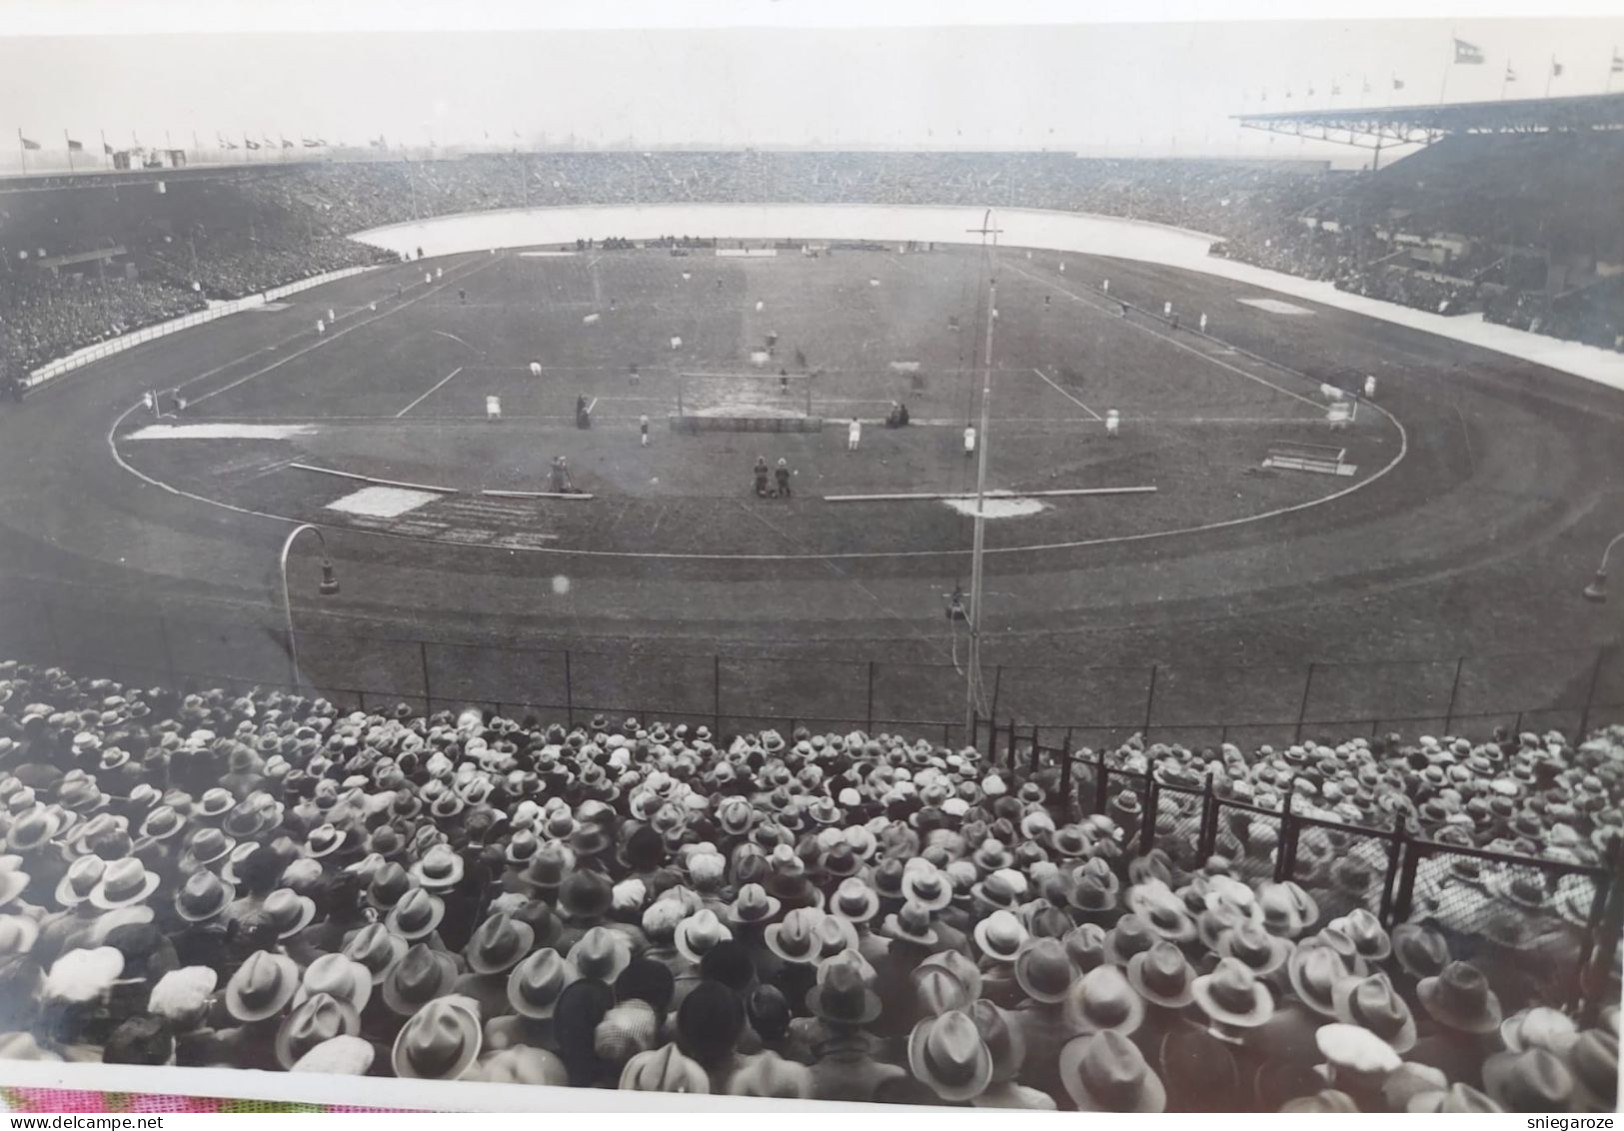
[(44, 317), (266, 881), (224, 237)]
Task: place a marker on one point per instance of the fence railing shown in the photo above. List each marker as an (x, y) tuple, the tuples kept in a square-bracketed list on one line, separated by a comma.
[(91, 354), (108, 634), (1569, 915)]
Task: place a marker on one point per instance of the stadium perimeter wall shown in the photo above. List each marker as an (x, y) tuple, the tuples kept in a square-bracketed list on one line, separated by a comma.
[(1077, 232), (90, 354)]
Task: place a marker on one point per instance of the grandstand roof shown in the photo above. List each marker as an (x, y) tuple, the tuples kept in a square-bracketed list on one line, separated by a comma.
[(1407, 125)]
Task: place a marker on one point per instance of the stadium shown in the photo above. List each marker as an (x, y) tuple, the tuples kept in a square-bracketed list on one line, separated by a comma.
[(529, 514)]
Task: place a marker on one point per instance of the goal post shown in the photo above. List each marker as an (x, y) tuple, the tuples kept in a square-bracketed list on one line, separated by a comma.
[(744, 396)]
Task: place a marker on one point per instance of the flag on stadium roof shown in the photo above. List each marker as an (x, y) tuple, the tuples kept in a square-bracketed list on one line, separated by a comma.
[(310, 143), (107, 150), (286, 144), (1511, 75), (1556, 68), (1398, 83), (1468, 53), (1618, 62), (73, 146), (249, 142), (27, 143)]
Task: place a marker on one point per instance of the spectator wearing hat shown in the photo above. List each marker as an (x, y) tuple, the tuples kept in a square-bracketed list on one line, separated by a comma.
[(1463, 1018)]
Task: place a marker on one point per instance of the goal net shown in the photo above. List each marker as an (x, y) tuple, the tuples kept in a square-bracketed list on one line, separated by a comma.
[(744, 396)]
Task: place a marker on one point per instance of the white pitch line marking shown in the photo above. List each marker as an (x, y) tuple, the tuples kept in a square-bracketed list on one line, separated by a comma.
[(428, 394), (1067, 395), (1235, 369)]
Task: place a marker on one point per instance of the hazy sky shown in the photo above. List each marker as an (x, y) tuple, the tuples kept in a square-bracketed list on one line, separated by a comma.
[(1116, 87)]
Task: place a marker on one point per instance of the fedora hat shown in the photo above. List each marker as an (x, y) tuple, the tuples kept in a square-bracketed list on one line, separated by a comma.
[(910, 923), (854, 901), (416, 916), (1457, 1099), (924, 884), (601, 954), (76, 884), (956, 963), (1233, 996), (123, 883), (1085, 946), (698, 934), (1253, 945), (324, 840), (1043, 970), (664, 1069), (795, 937), (162, 823), (585, 894), (338, 976), (205, 846), (440, 869), (1163, 976), (1421, 951), (1004, 1037), (842, 998), (1365, 931), (1313, 970), (947, 1054), (1593, 1060), (771, 1076), (1106, 1072), (752, 906), (441, 1041), (1103, 999), (318, 1018), (289, 911), (422, 974), (547, 868), (82, 975), (1539, 1027), (18, 933), (343, 1055), (1131, 936), (262, 986), (522, 1064), (1459, 998), (1372, 1003), (377, 948), (387, 886), (535, 984), (1531, 1080), (1000, 936), (498, 944), (936, 989)]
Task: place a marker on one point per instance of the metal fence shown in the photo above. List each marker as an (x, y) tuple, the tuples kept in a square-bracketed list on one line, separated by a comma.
[(1565, 917), (114, 636)]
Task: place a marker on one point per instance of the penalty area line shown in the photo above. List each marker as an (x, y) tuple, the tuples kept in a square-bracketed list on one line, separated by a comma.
[(428, 394), (1067, 395)]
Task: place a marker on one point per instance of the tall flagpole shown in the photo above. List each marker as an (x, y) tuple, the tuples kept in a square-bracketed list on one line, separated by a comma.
[(973, 666)]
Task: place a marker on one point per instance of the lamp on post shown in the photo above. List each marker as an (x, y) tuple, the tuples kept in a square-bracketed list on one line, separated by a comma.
[(328, 587), (1597, 589)]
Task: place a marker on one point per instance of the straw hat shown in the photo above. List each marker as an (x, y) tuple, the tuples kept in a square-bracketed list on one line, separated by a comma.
[(340, 977), (1000, 936)]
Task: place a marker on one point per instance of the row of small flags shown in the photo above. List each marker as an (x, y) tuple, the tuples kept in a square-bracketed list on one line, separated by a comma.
[(74, 146), (1466, 54)]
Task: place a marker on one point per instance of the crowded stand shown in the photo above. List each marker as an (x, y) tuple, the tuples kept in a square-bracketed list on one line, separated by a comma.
[(1462, 226), (274, 881)]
